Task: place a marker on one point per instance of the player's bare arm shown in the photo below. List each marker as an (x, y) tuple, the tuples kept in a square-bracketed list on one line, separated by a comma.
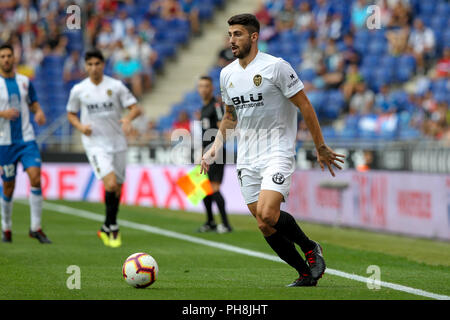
[(228, 122), (10, 114), (134, 112), (325, 155), (39, 115), (75, 121)]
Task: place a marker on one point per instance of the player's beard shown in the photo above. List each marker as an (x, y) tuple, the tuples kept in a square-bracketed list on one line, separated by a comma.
[(6, 68), (244, 50)]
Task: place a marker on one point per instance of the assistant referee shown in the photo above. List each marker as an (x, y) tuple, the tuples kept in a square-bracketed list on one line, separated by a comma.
[(211, 115)]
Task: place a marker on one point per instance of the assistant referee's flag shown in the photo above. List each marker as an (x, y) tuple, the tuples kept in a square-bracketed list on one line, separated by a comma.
[(196, 186)]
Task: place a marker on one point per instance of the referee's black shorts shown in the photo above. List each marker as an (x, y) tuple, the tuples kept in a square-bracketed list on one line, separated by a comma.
[(215, 172)]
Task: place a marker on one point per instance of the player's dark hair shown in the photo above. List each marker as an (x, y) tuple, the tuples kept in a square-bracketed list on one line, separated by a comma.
[(94, 53), (7, 46), (248, 20), (206, 78)]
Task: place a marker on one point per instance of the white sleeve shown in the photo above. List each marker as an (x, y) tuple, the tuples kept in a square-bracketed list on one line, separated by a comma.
[(73, 105), (126, 98), (223, 90), (286, 79)]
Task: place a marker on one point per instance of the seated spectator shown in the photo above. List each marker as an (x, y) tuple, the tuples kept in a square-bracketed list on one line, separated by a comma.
[(25, 12), (362, 101), (385, 12), (303, 133), (191, 11), (437, 123), (398, 40), (183, 121), (334, 64), (304, 20), (146, 31), (130, 37), (335, 27), (285, 19), (422, 43), (267, 29), (6, 28), (143, 52), (312, 54), (225, 56), (105, 39), (128, 69), (400, 15), (359, 14), (171, 9), (73, 67), (349, 53), (150, 133), (382, 103), (443, 65), (121, 24), (33, 57), (352, 78)]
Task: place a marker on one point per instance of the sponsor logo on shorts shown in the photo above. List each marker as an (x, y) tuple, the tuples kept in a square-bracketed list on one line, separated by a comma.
[(278, 178)]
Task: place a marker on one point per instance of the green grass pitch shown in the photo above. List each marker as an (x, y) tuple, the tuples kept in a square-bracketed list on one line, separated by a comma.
[(30, 270)]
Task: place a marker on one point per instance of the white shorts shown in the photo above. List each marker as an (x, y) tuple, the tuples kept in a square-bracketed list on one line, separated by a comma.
[(104, 163), (275, 175)]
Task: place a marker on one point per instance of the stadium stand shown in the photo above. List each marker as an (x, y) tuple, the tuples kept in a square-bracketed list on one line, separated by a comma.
[(402, 68), (136, 36), (390, 83)]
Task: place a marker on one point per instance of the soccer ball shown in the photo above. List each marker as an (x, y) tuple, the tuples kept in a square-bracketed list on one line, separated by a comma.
[(140, 270)]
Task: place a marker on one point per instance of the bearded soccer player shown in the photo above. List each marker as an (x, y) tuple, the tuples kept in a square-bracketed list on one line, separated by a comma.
[(261, 95), (101, 99), (17, 143)]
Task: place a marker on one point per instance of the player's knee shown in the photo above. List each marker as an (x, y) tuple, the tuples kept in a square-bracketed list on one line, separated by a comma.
[(35, 181), (8, 188), (264, 227), (268, 215), (111, 186)]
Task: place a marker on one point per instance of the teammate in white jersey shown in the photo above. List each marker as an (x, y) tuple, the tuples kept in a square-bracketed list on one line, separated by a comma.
[(262, 94), (100, 100), (17, 143)]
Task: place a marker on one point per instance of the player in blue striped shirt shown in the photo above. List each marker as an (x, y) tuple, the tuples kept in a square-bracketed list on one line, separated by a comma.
[(17, 143)]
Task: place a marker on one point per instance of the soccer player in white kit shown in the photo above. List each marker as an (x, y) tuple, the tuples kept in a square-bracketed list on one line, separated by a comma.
[(101, 100), (261, 94)]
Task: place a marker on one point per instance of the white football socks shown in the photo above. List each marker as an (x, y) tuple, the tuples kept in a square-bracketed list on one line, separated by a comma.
[(35, 208), (6, 205)]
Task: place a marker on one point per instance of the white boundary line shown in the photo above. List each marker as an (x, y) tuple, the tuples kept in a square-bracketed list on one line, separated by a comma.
[(227, 247)]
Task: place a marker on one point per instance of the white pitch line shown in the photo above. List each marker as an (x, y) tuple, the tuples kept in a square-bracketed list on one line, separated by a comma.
[(227, 247)]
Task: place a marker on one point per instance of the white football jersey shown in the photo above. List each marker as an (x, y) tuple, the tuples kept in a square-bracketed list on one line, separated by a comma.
[(101, 107), (267, 119)]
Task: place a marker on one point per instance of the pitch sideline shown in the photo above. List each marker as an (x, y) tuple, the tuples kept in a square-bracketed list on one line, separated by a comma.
[(150, 229)]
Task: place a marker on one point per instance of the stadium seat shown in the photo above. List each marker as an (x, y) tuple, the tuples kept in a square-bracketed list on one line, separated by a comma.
[(307, 75), (206, 12), (371, 61), (427, 7), (316, 97), (329, 132), (377, 47)]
